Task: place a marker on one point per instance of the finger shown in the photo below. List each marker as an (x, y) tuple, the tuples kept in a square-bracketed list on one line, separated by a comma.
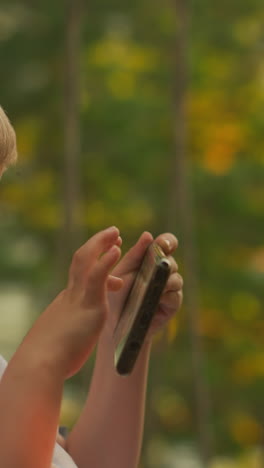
[(132, 260), (85, 256), (173, 264), (114, 283), (98, 276), (119, 241), (171, 301), (174, 283), (168, 242)]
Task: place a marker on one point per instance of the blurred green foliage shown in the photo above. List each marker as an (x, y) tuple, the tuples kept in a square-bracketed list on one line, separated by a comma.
[(125, 171)]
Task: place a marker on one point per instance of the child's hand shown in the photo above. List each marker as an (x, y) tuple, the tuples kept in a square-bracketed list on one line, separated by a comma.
[(127, 268), (68, 329), (172, 296)]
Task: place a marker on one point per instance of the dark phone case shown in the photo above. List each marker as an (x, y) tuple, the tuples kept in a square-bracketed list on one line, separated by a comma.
[(140, 308)]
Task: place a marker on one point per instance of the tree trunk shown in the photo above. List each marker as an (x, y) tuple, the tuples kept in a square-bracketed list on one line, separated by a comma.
[(71, 182), (181, 203)]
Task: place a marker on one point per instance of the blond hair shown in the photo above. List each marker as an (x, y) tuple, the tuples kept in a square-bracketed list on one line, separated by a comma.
[(8, 149)]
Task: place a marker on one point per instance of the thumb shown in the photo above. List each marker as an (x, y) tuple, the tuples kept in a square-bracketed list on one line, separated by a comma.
[(131, 261)]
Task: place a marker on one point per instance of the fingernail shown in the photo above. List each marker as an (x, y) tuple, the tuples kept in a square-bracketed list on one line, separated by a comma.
[(115, 278), (168, 243), (112, 229), (119, 241)]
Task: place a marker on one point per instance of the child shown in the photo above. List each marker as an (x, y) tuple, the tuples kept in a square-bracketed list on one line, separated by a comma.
[(109, 431)]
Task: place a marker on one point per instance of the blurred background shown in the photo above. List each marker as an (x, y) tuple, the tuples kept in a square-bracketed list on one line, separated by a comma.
[(147, 115)]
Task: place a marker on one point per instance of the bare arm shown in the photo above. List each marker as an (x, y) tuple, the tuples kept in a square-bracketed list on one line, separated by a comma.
[(30, 398), (110, 428), (55, 348)]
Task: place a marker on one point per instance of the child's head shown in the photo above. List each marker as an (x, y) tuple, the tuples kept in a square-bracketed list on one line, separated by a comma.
[(8, 150)]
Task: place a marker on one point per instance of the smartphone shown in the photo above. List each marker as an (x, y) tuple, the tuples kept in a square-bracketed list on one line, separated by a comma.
[(140, 307)]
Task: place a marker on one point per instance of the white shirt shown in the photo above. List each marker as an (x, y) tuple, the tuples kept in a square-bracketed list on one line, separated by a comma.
[(61, 459)]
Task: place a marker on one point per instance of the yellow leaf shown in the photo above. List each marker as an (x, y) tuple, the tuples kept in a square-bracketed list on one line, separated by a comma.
[(245, 306), (27, 131), (171, 409), (213, 323), (248, 368), (122, 54), (244, 429), (122, 84), (257, 260), (172, 328), (224, 142)]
